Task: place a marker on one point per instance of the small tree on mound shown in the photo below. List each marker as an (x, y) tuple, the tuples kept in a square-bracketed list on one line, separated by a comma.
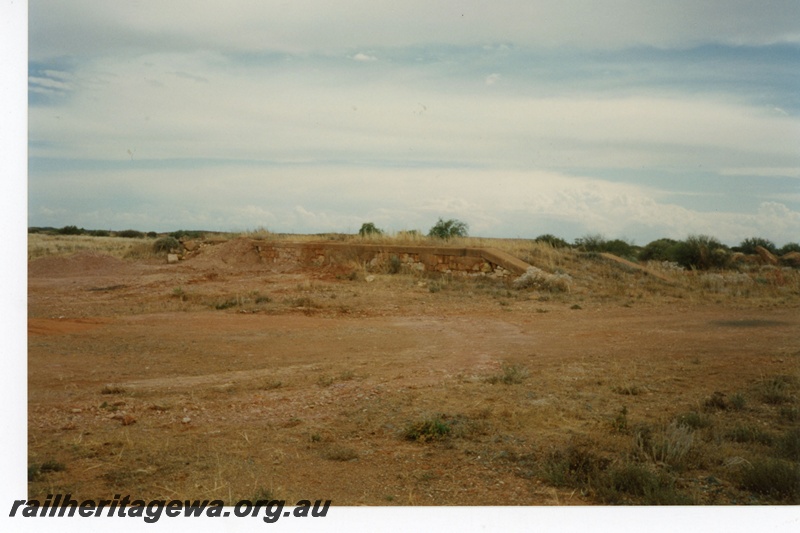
[(447, 229)]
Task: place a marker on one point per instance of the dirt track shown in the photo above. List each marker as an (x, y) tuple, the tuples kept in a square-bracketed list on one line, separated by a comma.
[(216, 379)]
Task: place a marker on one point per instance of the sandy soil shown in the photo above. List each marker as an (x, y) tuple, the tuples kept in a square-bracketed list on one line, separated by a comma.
[(220, 377)]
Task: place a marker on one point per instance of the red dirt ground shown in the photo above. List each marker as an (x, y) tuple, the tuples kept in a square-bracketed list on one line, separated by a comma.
[(220, 377)]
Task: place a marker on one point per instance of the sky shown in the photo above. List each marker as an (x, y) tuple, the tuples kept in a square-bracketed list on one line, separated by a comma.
[(630, 119)]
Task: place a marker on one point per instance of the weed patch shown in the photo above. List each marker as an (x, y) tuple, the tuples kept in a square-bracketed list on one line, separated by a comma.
[(339, 453), (36, 471), (429, 429), (772, 477), (510, 375), (745, 434), (694, 420), (668, 446), (647, 487)]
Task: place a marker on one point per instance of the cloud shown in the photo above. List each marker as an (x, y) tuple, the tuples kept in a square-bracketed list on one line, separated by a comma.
[(364, 57), (633, 118), (87, 27)]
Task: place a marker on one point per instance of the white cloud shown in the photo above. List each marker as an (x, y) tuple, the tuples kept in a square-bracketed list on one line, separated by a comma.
[(491, 79), (364, 57)]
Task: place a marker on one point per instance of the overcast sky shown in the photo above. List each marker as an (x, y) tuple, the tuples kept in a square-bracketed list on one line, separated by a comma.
[(633, 119)]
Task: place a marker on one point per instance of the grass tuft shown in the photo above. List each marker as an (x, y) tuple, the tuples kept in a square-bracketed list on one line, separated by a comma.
[(510, 375)]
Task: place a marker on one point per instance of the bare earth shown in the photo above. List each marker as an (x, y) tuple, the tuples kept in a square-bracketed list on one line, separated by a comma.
[(222, 378)]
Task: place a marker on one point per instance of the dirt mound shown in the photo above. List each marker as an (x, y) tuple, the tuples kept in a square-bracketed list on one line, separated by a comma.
[(80, 264), (236, 254)]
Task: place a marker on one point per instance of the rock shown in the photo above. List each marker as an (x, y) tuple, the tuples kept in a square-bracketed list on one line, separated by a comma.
[(369, 279), (191, 246), (172, 258), (186, 420), (766, 256), (127, 420), (791, 259)]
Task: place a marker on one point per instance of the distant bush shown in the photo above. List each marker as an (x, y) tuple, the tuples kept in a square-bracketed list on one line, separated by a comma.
[(165, 245), (598, 243), (787, 248), (71, 230), (748, 246), (152, 234), (447, 229), (702, 252), (181, 233), (660, 250), (590, 243), (130, 234), (368, 228), (552, 240), (99, 233)]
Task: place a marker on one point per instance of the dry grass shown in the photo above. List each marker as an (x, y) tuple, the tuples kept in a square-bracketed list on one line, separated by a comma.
[(41, 245)]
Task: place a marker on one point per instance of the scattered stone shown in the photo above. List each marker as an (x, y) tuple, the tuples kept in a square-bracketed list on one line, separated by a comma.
[(127, 420), (172, 258), (370, 278), (191, 246), (186, 420)]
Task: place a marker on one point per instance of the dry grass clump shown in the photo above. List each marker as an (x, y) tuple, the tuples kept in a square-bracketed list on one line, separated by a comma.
[(537, 278), (510, 375)]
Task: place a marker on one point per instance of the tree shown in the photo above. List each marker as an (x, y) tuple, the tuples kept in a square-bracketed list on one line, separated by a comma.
[(702, 252), (748, 246), (552, 240), (447, 229), (368, 228)]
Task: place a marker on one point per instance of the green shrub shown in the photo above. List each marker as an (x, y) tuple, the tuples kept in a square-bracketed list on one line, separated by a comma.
[(660, 250), (576, 466), (188, 234), (368, 228), (716, 402), (71, 230), (552, 240), (737, 401), (166, 245), (668, 446), (694, 420), (701, 252), (772, 477), (789, 247), (130, 234), (748, 246), (430, 429), (638, 481), (591, 243), (789, 445), (776, 390), (744, 434), (597, 243), (447, 229)]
